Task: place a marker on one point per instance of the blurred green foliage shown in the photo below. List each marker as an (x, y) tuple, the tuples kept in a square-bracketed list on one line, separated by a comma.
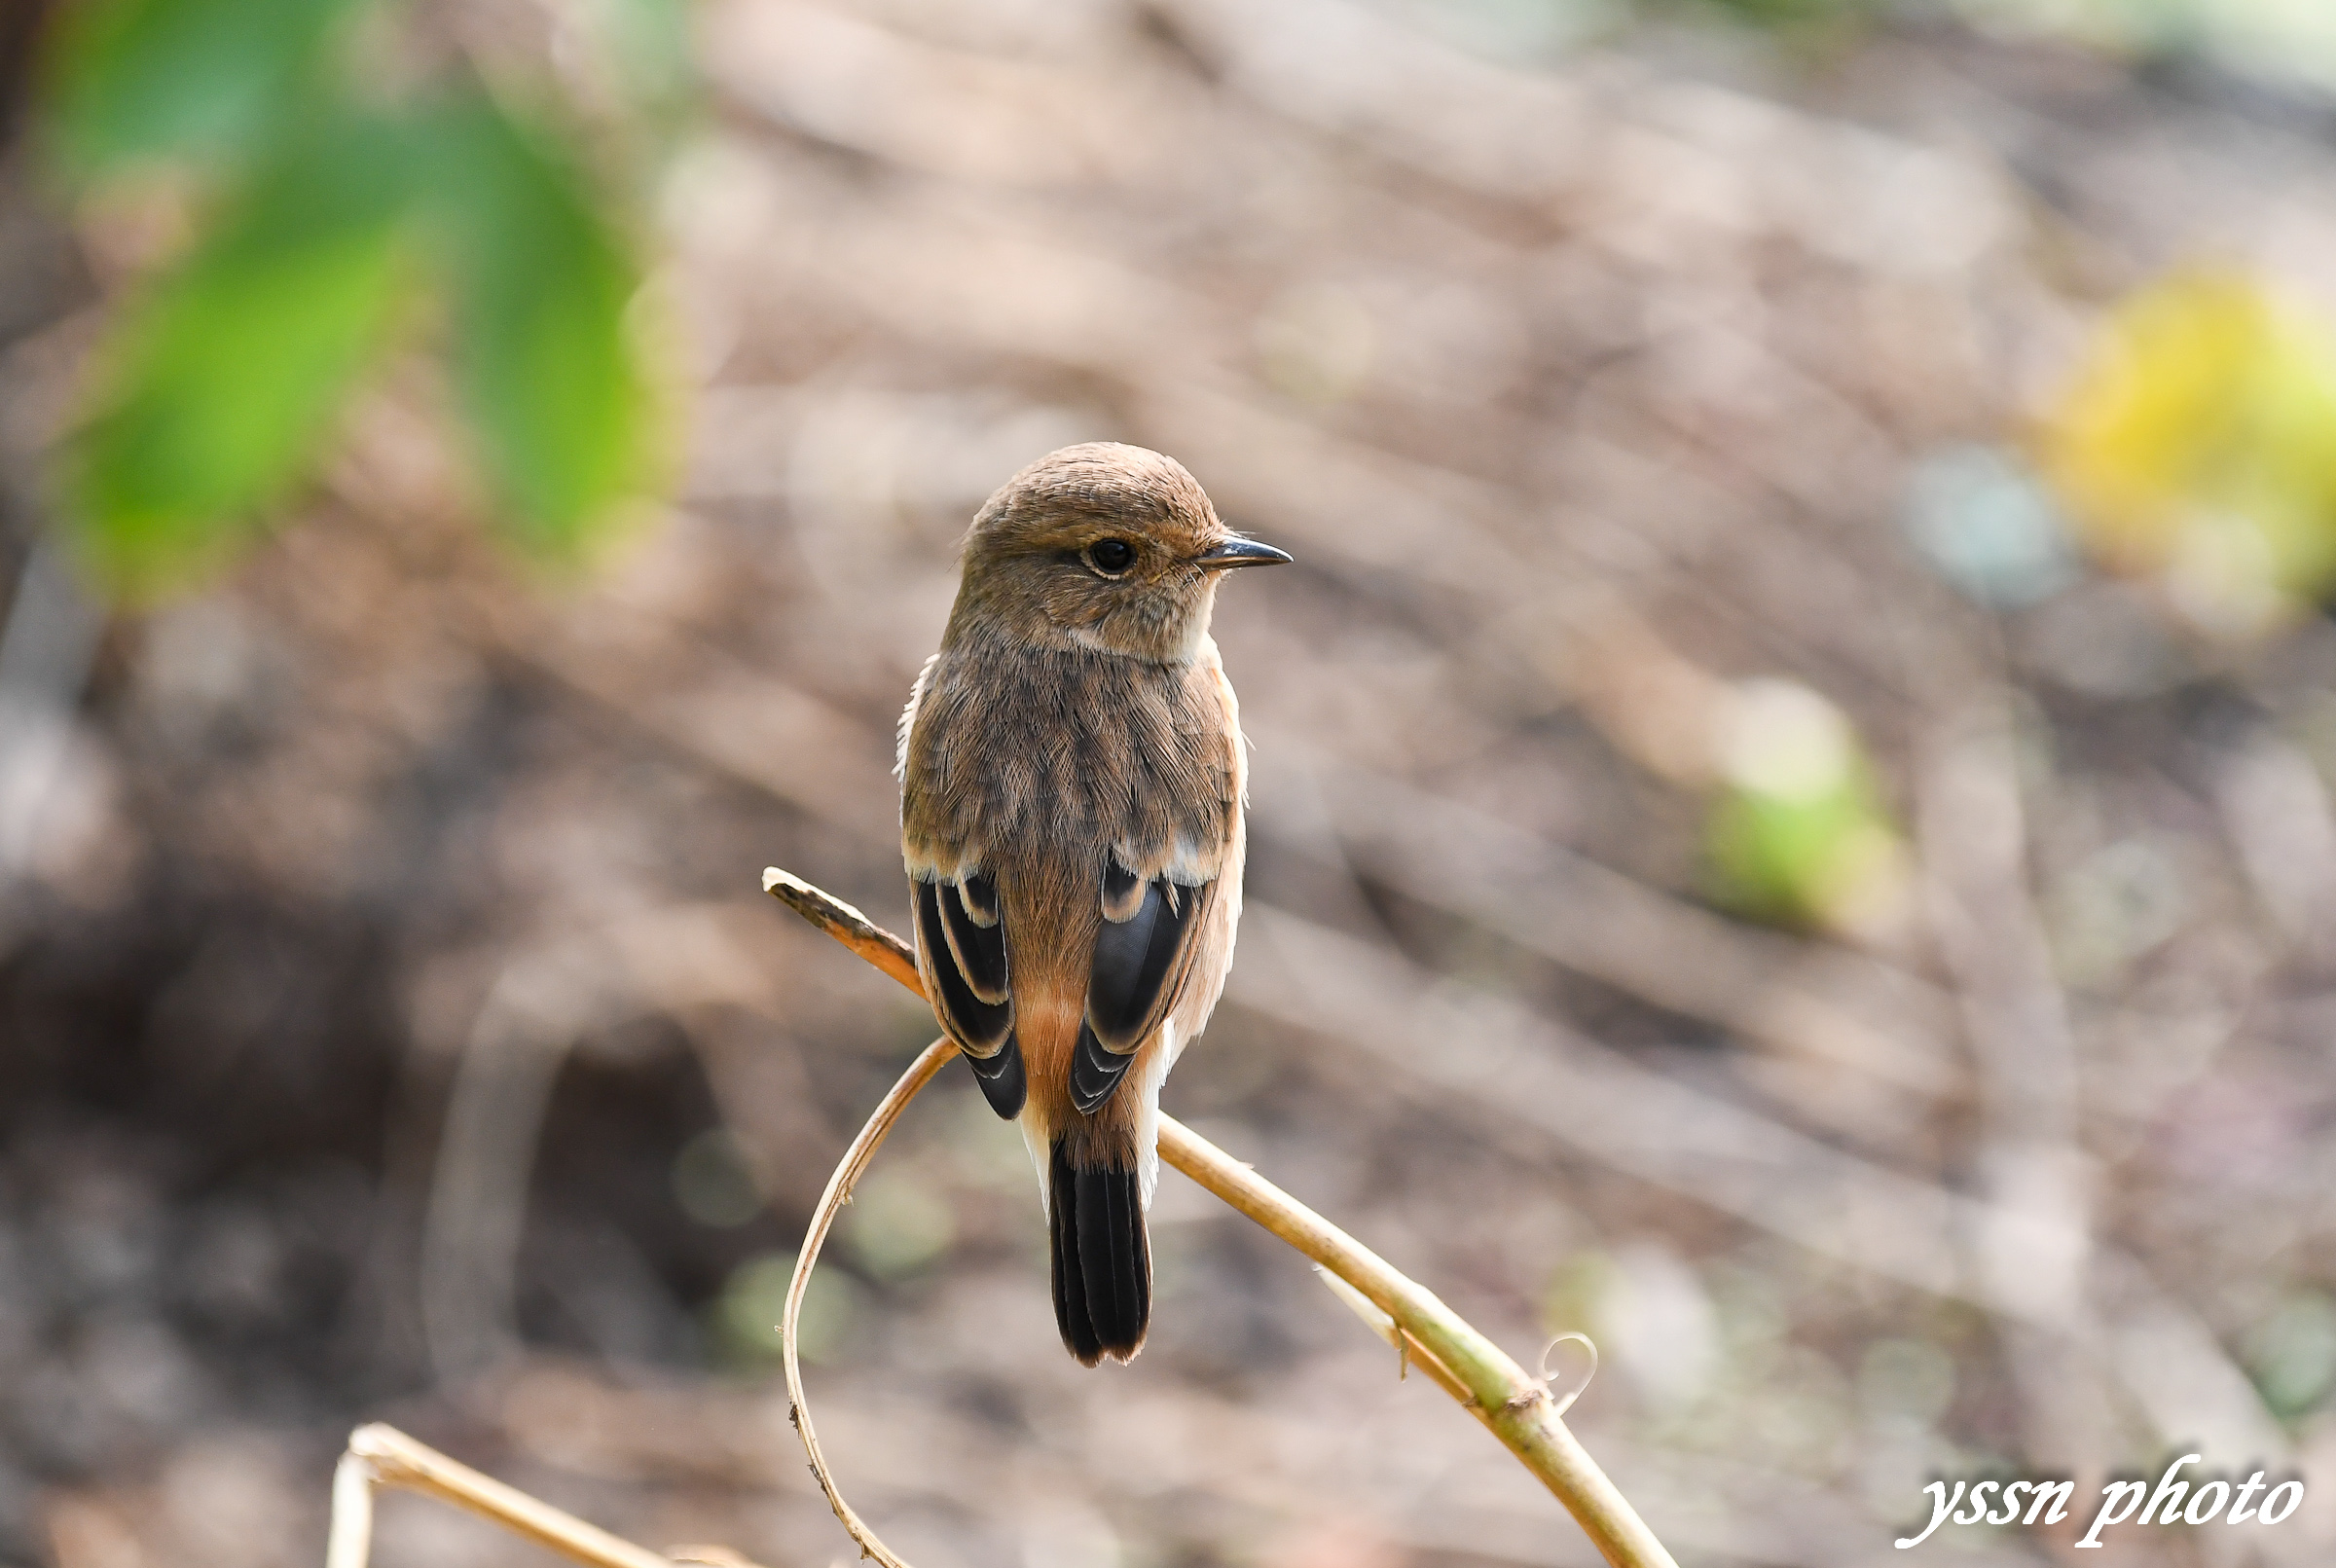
[(2292, 1353), (220, 380), (540, 285), (897, 1224), (209, 78), (745, 1317), (1791, 857), (329, 217), (2290, 44), (1783, 15), (1798, 834)]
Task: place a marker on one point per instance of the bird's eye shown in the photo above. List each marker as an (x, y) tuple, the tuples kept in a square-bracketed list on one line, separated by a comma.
[(1110, 557)]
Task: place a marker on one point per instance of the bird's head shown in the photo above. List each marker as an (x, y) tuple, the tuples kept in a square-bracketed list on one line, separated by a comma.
[(1105, 547)]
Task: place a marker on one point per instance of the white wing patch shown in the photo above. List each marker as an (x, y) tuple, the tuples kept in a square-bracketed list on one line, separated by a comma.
[(1186, 863)]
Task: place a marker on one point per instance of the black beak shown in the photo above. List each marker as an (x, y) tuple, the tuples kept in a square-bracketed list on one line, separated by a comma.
[(1243, 553)]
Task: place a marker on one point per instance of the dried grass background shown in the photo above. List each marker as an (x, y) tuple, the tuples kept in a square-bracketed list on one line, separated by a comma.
[(392, 1026)]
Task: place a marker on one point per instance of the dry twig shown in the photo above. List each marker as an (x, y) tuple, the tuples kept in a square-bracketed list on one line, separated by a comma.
[(384, 1456), (1517, 1407)]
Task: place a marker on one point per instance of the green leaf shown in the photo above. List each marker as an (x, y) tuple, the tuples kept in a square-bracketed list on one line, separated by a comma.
[(218, 385), (131, 79), (549, 372)]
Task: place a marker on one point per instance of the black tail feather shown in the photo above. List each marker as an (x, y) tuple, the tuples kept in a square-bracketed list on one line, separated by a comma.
[(1069, 1283), (1102, 1260)]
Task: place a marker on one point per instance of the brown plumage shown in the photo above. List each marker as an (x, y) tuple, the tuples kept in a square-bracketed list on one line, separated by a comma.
[(1072, 784)]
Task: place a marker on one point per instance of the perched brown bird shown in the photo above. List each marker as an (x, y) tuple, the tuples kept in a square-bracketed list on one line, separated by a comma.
[(1071, 786)]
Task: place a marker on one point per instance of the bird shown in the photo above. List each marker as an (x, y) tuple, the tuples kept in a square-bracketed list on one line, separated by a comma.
[(1072, 788)]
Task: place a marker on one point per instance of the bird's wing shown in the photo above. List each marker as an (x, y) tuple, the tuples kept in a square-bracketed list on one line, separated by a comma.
[(1157, 889), (1144, 950), (968, 962), (961, 939), (961, 949), (1144, 953)]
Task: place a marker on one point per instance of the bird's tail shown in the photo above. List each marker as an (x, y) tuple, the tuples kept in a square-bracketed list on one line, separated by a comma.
[(1102, 1254)]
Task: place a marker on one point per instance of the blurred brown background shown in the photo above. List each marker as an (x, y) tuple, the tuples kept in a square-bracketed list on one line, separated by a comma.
[(1738, 869)]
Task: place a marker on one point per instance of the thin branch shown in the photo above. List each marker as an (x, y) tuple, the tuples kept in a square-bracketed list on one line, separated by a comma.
[(1408, 1352), (348, 1542), (845, 924), (384, 1456), (1517, 1407)]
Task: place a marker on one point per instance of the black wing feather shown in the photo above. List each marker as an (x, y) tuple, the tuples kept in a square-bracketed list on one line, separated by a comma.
[(980, 1027), (1122, 889), (980, 894), (979, 950), (969, 960), (1002, 1080), (1127, 979), (1095, 1071)]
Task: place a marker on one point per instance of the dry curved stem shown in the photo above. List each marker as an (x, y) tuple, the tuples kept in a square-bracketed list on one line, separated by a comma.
[(1517, 1407), (856, 1160)]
